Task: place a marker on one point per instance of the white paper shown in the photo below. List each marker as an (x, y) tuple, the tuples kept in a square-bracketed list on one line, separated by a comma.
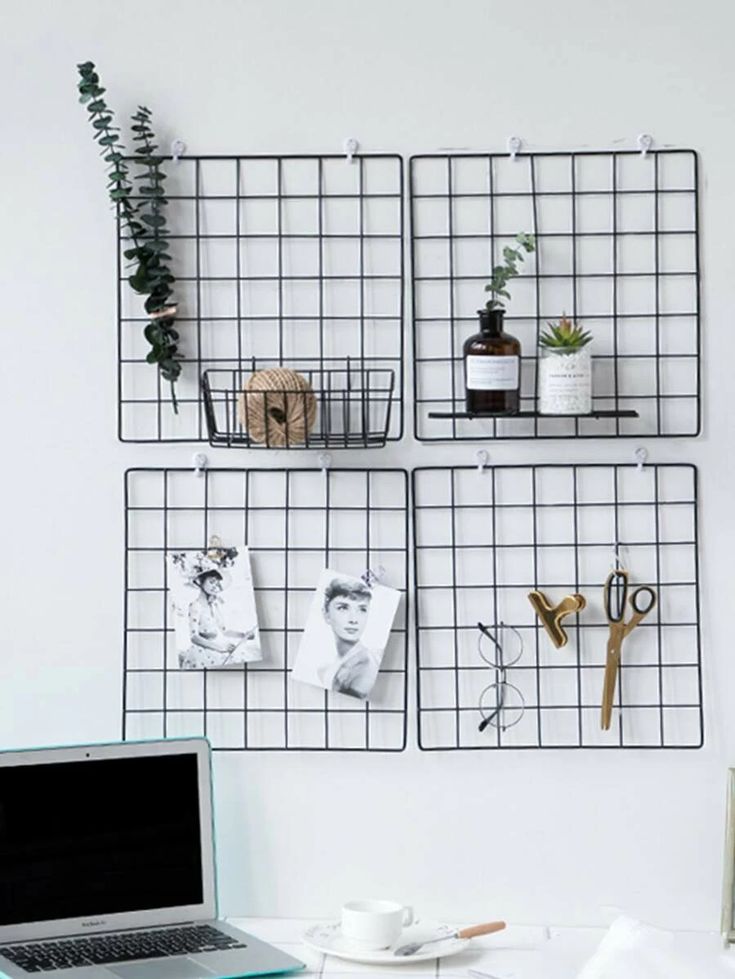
[(631, 950)]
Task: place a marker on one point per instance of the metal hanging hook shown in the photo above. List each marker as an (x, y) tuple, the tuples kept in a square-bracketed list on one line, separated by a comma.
[(483, 457), (199, 461), (324, 459)]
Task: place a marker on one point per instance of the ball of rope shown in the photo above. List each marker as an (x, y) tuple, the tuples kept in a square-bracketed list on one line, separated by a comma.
[(277, 407)]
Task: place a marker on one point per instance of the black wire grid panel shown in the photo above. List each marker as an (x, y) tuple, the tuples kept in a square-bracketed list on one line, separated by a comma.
[(617, 249), (484, 539), (296, 523), (293, 261)]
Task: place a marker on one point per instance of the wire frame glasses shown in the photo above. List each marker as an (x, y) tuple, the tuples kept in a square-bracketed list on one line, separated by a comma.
[(501, 702)]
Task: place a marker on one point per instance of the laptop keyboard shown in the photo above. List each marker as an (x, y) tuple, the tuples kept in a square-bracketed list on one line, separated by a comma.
[(71, 953)]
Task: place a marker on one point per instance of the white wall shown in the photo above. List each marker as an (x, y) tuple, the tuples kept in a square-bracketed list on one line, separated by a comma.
[(535, 836)]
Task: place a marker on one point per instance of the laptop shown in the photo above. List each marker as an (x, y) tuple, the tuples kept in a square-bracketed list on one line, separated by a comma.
[(107, 867)]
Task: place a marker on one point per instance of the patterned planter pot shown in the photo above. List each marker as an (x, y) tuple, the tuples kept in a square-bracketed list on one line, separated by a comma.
[(565, 381)]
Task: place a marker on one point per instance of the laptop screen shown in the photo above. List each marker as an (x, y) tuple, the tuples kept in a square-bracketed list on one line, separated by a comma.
[(99, 837)]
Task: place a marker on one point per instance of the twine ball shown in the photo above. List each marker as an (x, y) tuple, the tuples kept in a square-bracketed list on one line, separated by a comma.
[(277, 407)]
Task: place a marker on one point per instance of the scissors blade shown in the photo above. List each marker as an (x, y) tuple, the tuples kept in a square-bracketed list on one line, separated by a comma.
[(612, 665)]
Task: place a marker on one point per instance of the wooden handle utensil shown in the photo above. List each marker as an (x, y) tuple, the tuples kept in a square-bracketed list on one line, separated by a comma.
[(476, 930)]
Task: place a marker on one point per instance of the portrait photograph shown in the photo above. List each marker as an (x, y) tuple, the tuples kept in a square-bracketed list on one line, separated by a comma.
[(346, 633), (213, 608)]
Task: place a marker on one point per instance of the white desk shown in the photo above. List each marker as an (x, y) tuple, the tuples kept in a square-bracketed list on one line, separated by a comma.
[(520, 952)]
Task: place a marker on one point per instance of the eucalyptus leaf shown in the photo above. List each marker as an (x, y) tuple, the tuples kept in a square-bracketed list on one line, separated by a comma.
[(138, 282)]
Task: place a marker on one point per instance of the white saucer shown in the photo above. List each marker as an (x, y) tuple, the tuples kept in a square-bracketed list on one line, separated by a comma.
[(328, 938)]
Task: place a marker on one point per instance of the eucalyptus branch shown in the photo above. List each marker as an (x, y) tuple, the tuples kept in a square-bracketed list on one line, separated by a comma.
[(144, 222), (154, 277), (502, 274)]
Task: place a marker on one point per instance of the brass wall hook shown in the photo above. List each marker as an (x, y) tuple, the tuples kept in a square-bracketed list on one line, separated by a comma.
[(551, 615)]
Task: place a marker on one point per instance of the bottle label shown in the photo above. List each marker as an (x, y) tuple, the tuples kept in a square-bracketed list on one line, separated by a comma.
[(494, 373)]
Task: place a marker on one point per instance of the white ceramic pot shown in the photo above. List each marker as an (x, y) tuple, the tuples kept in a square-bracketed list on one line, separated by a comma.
[(564, 381)]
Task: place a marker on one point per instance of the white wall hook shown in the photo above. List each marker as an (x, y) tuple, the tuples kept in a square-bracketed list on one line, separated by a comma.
[(483, 457), (514, 146), (350, 146), (324, 459), (641, 455), (178, 148), (199, 461), (645, 142)]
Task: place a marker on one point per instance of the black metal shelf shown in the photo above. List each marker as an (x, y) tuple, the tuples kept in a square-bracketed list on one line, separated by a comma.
[(530, 414)]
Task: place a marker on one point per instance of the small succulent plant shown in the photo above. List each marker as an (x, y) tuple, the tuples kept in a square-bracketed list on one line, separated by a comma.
[(565, 335), (501, 274)]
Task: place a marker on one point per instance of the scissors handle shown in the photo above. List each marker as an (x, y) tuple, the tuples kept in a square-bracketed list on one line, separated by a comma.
[(616, 586), (635, 600), (639, 611)]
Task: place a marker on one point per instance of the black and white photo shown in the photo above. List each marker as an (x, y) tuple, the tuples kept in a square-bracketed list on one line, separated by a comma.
[(346, 634), (213, 606)]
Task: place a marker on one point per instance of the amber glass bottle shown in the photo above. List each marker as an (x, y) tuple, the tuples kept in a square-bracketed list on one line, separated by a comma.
[(492, 367)]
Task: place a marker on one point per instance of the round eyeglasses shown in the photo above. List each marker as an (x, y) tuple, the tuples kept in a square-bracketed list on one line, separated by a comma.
[(501, 703)]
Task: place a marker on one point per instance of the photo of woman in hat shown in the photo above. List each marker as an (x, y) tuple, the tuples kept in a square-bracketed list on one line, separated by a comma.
[(214, 608)]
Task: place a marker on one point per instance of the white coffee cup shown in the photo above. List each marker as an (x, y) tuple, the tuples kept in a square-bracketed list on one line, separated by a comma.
[(374, 924)]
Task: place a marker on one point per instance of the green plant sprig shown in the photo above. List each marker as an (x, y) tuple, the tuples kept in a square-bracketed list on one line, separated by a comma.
[(153, 277), (143, 221), (564, 335), (502, 274)]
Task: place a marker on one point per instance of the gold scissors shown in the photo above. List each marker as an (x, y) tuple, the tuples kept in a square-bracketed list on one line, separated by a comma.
[(642, 601)]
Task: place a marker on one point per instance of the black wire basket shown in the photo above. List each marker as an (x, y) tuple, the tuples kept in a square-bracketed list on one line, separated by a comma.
[(303, 404)]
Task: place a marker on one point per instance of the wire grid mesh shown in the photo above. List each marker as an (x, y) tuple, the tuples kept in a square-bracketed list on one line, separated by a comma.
[(617, 249), (484, 539), (296, 523), (280, 259)]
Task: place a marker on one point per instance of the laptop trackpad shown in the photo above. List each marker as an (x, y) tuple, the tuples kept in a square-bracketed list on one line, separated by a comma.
[(177, 968)]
